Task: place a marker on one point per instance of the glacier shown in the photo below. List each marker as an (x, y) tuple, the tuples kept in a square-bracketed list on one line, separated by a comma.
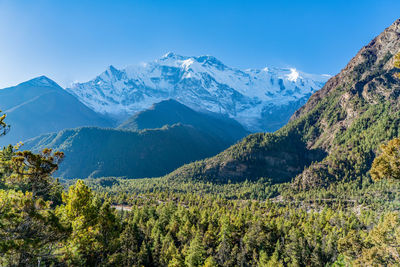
[(260, 99)]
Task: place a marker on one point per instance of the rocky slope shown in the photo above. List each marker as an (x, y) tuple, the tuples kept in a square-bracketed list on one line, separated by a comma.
[(333, 137), (260, 99)]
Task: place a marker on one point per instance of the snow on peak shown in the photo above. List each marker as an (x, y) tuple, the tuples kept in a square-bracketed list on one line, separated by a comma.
[(172, 56), (169, 54), (203, 83), (293, 76)]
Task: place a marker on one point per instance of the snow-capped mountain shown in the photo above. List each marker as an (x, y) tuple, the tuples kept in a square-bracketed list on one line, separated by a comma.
[(260, 99)]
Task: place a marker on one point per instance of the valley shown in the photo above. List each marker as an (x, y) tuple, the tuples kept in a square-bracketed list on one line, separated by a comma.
[(185, 161)]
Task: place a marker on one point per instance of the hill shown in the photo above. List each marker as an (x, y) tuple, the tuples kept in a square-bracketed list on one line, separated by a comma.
[(333, 137), (40, 106), (170, 112), (97, 152)]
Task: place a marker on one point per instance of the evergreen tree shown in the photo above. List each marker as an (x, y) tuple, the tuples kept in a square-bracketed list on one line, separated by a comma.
[(3, 126), (29, 230), (32, 172), (196, 253), (80, 212), (387, 164)]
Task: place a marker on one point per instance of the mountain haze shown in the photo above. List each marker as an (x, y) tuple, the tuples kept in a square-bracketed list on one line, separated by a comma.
[(40, 106), (151, 143)]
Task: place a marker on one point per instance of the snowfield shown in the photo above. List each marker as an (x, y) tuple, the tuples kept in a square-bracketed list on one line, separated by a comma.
[(260, 99)]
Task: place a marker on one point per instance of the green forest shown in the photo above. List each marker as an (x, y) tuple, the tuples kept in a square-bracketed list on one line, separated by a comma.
[(158, 222)]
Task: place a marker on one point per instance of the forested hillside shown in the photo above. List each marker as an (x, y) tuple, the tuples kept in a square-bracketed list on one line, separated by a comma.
[(97, 152), (334, 136), (151, 143), (170, 112)]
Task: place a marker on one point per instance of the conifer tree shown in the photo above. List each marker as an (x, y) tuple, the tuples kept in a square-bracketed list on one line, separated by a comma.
[(32, 172), (3, 126), (80, 212), (196, 253), (29, 230), (387, 164)]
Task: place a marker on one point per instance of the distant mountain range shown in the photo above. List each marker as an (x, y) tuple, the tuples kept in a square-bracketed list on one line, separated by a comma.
[(174, 110), (260, 99), (333, 137), (41, 106), (151, 143)]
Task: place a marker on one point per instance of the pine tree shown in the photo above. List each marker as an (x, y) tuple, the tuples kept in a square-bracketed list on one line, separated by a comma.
[(196, 253), (387, 164), (109, 230), (29, 230), (32, 172), (210, 262), (3, 126), (80, 211)]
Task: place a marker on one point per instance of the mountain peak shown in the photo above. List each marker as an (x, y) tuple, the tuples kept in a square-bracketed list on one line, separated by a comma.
[(172, 55), (333, 137), (388, 40), (168, 54), (168, 103), (204, 59), (294, 75), (42, 81), (202, 83), (364, 69), (210, 60), (396, 23)]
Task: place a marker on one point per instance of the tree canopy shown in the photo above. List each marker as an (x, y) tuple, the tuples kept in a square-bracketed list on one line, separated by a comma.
[(387, 164)]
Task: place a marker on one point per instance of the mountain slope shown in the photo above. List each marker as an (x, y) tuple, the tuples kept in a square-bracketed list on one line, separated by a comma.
[(259, 99), (170, 112), (39, 106), (96, 152), (335, 134)]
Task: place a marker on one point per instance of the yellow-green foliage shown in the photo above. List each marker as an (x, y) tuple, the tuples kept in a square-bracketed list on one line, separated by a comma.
[(387, 164), (397, 63), (3, 126)]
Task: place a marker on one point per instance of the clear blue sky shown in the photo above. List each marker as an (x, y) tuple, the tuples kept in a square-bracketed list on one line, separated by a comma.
[(76, 40)]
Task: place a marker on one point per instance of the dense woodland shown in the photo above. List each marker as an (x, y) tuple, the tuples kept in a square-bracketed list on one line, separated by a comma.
[(255, 223)]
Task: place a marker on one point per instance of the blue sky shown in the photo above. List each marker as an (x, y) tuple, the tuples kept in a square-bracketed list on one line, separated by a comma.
[(76, 40)]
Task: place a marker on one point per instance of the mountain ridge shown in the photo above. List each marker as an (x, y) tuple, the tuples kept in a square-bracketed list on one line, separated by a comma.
[(40, 105), (150, 143), (344, 123), (260, 99), (100, 152), (169, 112)]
